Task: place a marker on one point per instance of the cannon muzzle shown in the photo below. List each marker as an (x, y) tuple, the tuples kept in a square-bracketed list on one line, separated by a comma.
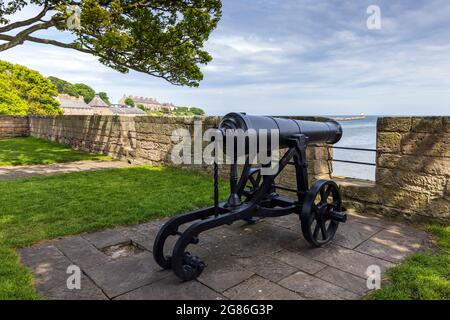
[(317, 132)]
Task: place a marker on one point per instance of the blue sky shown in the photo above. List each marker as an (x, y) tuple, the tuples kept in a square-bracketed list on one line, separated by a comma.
[(294, 57)]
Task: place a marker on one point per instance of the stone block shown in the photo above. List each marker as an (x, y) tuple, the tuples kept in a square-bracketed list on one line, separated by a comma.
[(389, 142), (438, 208), (427, 124), (437, 145), (407, 180), (446, 124), (426, 164), (403, 199), (363, 194), (394, 124)]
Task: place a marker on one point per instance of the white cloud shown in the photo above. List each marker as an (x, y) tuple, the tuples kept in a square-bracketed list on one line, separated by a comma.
[(295, 57)]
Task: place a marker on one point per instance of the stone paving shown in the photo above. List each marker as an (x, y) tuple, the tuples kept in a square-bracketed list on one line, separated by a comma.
[(268, 260), (17, 172)]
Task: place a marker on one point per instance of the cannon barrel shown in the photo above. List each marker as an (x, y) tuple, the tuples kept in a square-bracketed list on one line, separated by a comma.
[(317, 132)]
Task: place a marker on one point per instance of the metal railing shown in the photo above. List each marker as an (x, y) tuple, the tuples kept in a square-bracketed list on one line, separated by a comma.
[(355, 162)]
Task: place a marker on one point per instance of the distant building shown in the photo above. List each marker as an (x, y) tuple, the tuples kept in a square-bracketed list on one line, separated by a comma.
[(150, 104), (77, 106), (73, 105)]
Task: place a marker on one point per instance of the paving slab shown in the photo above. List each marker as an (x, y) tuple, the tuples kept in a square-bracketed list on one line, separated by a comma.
[(268, 267), (107, 238), (81, 252), (352, 234), (222, 274), (171, 288), (88, 291), (258, 288), (311, 287), (344, 280), (392, 245), (347, 260), (300, 262), (127, 274)]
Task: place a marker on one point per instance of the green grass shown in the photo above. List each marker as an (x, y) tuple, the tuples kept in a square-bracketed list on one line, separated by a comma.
[(423, 276), (42, 208), (29, 150)]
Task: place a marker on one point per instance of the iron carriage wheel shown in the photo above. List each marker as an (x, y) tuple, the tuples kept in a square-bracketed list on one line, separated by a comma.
[(320, 202)]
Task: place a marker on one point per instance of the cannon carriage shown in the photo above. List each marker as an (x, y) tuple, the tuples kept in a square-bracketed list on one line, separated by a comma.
[(253, 195)]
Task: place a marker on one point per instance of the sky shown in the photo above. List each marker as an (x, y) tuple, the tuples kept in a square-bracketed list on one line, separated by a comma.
[(292, 57)]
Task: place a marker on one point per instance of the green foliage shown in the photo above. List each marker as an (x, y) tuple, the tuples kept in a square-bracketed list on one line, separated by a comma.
[(197, 111), (104, 97), (140, 106), (161, 38), (422, 276), (69, 204), (64, 86), (129, 102), (29, 150), (85, 91), (78, 89), (24, 91)]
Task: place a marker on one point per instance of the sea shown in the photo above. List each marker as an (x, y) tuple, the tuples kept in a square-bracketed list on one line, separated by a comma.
[(359, 133)]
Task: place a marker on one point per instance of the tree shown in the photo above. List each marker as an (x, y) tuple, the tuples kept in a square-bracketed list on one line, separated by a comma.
[(104, 97), (63, 86), (197, 111), (129, 102), (141, 106), (24, 91), (84, 90), (163, 38)]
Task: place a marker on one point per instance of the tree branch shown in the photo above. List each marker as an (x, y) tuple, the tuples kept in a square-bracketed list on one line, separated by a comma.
[(48, 41), (24, 23), (21, 36)]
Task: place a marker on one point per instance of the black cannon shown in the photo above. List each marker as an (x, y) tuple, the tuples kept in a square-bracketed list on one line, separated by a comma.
[(254, 195)]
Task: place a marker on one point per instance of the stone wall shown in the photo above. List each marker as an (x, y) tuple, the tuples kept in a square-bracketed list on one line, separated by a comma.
[(413, 170), (14, 126), (413, 157), (145, 139)]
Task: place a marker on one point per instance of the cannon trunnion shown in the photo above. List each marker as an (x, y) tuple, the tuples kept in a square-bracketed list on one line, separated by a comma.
[(253, 195)]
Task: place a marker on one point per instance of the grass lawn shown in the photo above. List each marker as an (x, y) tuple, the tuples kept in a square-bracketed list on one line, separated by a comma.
[(42, 208), (29, 150), (422, 276)]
